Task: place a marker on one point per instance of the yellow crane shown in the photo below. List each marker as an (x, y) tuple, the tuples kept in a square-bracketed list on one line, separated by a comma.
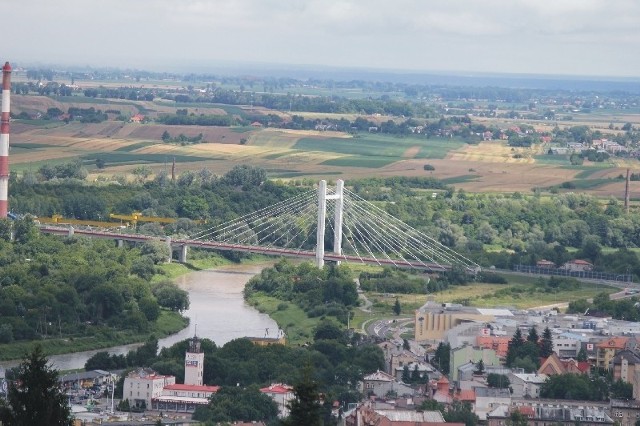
[(136, 217)]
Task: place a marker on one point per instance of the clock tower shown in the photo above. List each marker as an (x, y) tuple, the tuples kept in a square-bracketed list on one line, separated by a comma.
[(193, 363)]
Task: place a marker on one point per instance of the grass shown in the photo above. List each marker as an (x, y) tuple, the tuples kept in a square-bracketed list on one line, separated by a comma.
[(360, 161), (112, 158), (459, 179), (134, 146), (372, 145), (584, 184), (293, 320), (168, 323), (521, 293), (31, 145)]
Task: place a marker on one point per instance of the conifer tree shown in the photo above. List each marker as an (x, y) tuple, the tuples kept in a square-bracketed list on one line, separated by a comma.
[(546, 343), (305, 408), (34, 397), (533, 335)]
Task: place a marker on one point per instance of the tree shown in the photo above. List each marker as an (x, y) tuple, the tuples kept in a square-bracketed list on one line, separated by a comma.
[(516, 418), (533, 335), (442, 356), (396, 307), (34, 397), (305, 409), (495, 380), (582, 355), (461, 412), (405, 345), (232, 403), (621, 390), (546, 343), (515, 344), (479, 368), (406, 374)]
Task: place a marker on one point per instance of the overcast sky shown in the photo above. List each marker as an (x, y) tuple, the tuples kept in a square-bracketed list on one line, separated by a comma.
[(576, 37)]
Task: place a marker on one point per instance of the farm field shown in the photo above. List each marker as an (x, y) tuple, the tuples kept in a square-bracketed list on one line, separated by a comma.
[(489, 166)]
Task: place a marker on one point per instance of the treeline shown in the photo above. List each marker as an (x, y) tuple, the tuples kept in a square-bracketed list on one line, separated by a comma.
[(55, 287), (624, 309), (329, 292)]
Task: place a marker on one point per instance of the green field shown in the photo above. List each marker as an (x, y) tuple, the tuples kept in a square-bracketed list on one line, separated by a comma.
[(373, 145), (361, 161), (134, 146), (112, 158)]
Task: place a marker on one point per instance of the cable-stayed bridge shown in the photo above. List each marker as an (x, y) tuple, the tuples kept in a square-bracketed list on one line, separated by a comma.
[(327, 224)]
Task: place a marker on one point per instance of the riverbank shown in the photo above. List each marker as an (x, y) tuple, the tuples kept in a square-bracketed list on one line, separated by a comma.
[(168, 323)]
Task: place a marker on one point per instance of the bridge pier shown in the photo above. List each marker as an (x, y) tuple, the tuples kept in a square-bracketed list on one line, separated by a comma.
[(183, 253), (119, 243), (322, 214), (70, 234), (168, 241)]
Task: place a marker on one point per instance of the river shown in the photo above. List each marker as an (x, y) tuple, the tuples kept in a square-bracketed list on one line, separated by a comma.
[(217, 311)]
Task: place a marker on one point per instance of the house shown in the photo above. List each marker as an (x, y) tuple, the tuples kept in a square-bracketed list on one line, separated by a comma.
[(500, 344), (526, 385), (424, 370), (366, 415), (545, 264), (266, 341), (552, 415), (183, 398), (281, 394), (626, 367), (577, 265), (607, 349), (144, 384), (138, 118), (378, 383), (487, 399), (256, 124), (625, 413), (467, 353), (553, 365)]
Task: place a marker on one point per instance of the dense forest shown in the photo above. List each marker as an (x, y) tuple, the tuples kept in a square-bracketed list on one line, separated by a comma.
[(54, 287)]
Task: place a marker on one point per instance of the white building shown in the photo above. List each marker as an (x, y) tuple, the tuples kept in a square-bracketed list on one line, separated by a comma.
[(281, 394), (526, 385), (143, 385), (193, 363)]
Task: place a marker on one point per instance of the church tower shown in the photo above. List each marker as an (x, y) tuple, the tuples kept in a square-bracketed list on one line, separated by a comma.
[(193, 363)]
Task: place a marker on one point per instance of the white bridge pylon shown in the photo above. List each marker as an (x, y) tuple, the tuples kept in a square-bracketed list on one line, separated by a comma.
[(337, 218)]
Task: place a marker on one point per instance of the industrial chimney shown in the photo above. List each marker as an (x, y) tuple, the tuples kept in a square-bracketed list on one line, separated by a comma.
[(4, 141)]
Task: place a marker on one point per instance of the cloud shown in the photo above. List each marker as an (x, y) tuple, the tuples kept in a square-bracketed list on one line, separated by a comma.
[(414, 34)]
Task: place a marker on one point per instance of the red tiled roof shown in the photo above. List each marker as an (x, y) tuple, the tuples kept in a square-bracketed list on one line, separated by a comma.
[(277, 389), (193, 388), (466, 395)]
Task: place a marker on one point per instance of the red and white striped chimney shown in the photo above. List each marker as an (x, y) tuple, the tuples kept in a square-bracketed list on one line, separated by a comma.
[(4, 141)]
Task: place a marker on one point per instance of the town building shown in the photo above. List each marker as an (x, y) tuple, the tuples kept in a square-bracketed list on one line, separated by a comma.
[(281, 394), (553, 365), (487, 399), (464, 354), (626, 367), (526, 385), (141, 386), (434, 319), (194, 363), (607, 349)]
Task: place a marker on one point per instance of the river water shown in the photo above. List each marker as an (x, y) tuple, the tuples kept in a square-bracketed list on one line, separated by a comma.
[(217, 311)]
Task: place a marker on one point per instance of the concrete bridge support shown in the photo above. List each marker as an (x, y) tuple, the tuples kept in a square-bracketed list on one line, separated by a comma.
[(70, 234), (119, 243), (322, 214), (183, 253), (168, 242)]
